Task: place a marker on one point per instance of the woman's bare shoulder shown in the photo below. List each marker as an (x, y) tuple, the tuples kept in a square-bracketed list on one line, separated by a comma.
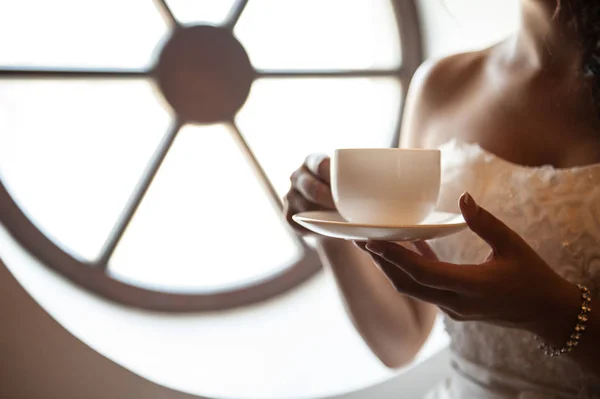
[(437, 85)]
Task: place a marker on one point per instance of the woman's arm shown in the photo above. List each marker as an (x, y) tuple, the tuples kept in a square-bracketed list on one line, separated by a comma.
[(393, 325)]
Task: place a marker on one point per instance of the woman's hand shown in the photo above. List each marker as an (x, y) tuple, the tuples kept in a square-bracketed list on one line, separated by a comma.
[(310, 189), (513, 287)]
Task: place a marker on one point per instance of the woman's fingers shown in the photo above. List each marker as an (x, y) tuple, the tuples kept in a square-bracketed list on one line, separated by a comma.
[(309, 189), (319, 166), (313, 189), (294, 203), (425, 250), (405, 284), (429, 272)]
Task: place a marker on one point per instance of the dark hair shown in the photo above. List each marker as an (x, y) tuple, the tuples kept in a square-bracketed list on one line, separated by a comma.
[(585, 17)]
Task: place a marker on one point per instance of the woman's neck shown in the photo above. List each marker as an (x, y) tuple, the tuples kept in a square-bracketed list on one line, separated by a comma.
[(545, 40)]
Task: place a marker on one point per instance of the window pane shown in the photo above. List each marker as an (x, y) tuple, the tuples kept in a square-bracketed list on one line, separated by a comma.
[(286, 119), (317, 34), (206, 223), (72, 152), (75, 33), (201, 11)]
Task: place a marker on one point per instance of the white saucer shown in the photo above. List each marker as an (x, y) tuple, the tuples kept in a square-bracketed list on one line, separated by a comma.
[(331, 224)]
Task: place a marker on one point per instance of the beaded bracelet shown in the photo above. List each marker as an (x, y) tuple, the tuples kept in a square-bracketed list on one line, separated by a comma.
[(574, 338)]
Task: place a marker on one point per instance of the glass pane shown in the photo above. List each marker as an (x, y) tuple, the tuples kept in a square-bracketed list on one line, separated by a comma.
[(317, 34), (286, 119), (75, 33), (72, 152), (206, 223), (201, 11)]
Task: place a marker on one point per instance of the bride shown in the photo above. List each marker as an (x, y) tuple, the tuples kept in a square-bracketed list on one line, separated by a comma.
[(518, 125)]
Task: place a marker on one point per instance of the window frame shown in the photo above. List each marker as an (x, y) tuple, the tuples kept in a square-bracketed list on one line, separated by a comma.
[(96, 277)]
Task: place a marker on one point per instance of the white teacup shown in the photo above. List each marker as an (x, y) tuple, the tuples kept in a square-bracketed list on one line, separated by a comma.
[(385, 186)]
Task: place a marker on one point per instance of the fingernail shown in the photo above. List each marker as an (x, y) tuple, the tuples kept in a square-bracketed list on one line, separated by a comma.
[(468, 206), (375, 247)]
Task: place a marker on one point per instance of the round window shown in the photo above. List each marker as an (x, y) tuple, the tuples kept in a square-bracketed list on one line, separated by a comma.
[(145, 146)]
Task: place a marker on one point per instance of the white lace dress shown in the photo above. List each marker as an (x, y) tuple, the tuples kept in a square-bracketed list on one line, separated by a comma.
[(557, 211)]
